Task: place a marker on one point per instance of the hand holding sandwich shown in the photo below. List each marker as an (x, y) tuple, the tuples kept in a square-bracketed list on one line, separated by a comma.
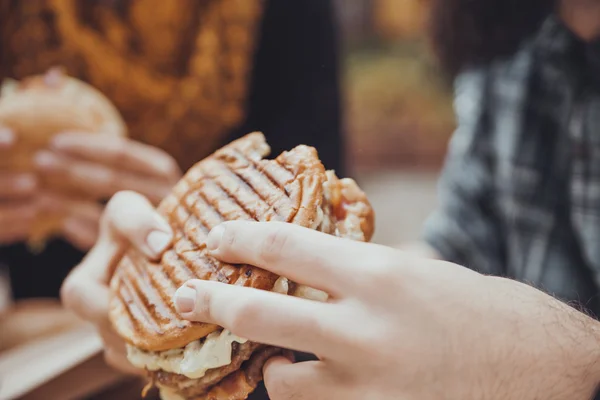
[(396, 327), (102, 165), (128, 220), (22, 200)]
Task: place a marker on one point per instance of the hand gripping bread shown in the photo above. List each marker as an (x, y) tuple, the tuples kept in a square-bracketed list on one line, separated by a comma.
[(235, 183)]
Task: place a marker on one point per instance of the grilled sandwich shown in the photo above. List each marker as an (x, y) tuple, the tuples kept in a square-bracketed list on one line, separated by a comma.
[(188, 360)]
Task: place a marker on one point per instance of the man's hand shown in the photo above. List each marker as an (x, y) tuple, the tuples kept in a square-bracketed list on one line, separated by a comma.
[(397, 326), (129, 220)]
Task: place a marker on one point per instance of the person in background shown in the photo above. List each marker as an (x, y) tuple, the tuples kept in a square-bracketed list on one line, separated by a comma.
[(519, 193), (187, 75)]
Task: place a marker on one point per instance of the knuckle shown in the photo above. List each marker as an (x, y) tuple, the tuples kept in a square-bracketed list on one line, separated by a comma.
[(118, 200), (172, 170), (123, 204), (70, 293), (111, 358), (383, 267), (120, 147), (274, 245), (241, 313)]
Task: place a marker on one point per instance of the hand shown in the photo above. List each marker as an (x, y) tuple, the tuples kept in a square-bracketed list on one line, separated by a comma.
[(129, 220), (18, 202), (102, 165), (397, 327), (81, 218)]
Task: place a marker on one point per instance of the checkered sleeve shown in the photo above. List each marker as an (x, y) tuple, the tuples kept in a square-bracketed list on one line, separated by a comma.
[(464, 228)]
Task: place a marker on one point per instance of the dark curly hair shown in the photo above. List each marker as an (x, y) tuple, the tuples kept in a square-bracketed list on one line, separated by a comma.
[(472, 32)]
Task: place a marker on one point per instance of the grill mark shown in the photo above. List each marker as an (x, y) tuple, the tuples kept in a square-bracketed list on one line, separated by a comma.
[(210, 215), (180, 216), (196, 261), (182, 244), (166, 286), (283, 170), (278, 177), (178, 268), (126, 301), (190, 202), (195, 231), (258, 166), (256, 189), (298, 202), (285, 167), (279, 170), (245, 195), (137, 307), (270, 193), (220, 201), (149, 291), (202, 266), (234, 198)]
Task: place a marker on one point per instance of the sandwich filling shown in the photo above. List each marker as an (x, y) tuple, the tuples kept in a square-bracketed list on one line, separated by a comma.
[(193, 360)]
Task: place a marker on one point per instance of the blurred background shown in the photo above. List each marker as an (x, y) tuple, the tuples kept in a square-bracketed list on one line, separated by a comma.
[(397, 122), (398, 111)]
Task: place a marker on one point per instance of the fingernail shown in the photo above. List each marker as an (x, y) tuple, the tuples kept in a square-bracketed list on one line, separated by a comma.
[(58, 141), (185, 299), (158, 241), (214, 237), (7, 137), (25, 182), (44, 159), (53, 77)]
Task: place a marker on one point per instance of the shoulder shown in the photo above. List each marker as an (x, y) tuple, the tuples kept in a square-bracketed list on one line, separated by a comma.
[(476, 88)]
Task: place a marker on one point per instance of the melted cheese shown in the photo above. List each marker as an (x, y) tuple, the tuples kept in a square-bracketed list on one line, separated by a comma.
[(191, 361)]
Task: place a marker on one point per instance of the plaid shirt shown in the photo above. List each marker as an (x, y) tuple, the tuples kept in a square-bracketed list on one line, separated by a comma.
[(520, 190)]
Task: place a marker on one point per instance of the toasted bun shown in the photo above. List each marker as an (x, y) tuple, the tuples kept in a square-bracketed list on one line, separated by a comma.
[(42, 106), (235, 183)]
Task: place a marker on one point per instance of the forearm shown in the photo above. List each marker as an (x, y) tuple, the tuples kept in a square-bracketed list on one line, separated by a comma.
[(560, 361), (420, 249)]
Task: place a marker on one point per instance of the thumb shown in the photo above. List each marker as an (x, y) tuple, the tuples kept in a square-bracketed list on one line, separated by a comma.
[(129, 219)]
